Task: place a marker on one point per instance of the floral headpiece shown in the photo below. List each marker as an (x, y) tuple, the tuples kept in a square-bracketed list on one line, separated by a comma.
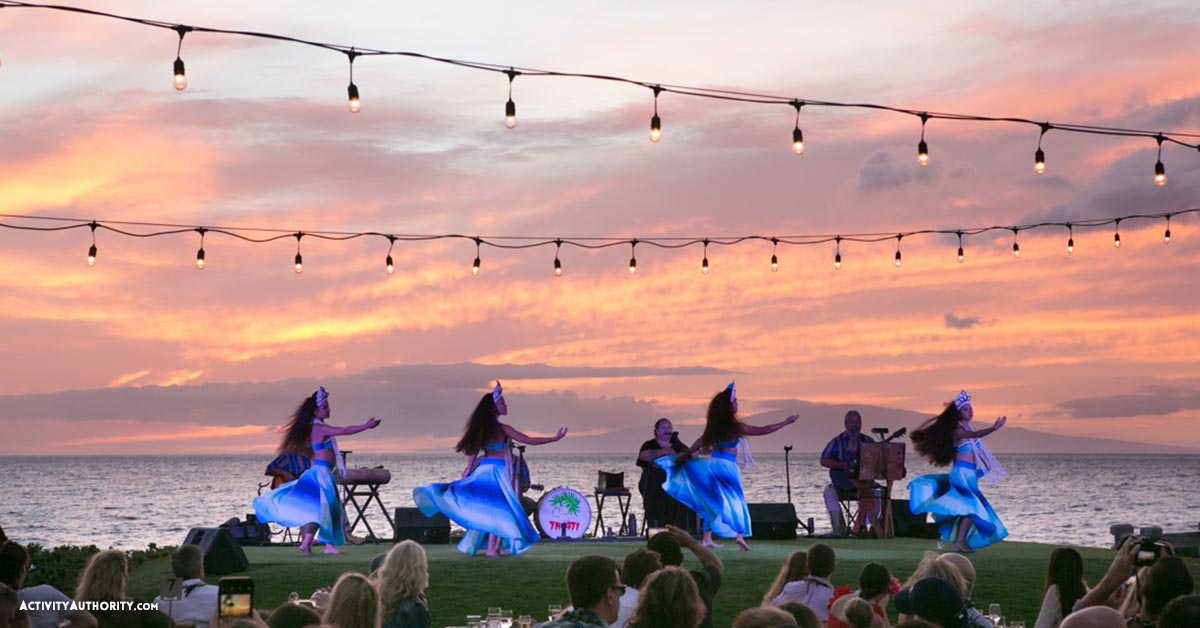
[(963, 399), (732, 392), (320, 396), (497, 393)]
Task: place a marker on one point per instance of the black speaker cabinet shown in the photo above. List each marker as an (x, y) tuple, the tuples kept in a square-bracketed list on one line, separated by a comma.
[(222, 553), (773, 521), (412, 525), (906, 524)]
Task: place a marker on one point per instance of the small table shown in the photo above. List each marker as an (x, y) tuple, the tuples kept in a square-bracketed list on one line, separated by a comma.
[(624, 497), (364, 483)]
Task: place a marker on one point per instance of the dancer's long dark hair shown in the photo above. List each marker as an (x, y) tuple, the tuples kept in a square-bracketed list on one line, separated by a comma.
[(298, 433), (722, 424), (935, 438), (482, 428), (1066, 573)]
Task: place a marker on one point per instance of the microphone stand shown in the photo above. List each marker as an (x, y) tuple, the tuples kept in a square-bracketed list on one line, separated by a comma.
[(787, 467)]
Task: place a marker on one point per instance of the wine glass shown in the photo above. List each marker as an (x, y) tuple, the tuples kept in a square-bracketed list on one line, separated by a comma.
[(506, 618), (473, 621), (555, 609), (994, 612), (525, 621), (1016, 624), (493, 617)]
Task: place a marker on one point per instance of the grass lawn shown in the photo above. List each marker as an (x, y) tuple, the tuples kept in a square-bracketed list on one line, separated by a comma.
[(1010, 573)]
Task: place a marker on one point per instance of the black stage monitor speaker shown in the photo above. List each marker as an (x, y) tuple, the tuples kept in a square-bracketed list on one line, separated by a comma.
[(773, 521), (222, 554), (906, 524), (411, 524)]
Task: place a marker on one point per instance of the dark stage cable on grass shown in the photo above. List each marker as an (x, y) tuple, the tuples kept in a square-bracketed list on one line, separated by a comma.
[(263, 235), (1187, 140)]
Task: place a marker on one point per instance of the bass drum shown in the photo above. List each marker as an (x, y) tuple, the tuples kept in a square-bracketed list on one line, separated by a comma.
[(563, 513)]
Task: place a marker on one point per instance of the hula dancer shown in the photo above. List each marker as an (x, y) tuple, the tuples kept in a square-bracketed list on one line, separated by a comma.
[(961, 512), (712, 486), (311, 501), (484, 501)]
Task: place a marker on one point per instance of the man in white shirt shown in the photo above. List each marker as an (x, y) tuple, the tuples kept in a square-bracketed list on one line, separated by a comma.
[(815, 590), (198, 601), (638, 565), (14, 566)]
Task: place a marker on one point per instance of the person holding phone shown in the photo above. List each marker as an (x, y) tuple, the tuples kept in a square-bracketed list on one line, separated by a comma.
[(659, 507), (311, 502), (483, 500)]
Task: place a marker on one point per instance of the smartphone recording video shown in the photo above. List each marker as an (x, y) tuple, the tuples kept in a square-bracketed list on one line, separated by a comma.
[(235, 597)]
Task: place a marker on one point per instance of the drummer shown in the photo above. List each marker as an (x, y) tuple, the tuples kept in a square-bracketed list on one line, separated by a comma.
[(660, 508)]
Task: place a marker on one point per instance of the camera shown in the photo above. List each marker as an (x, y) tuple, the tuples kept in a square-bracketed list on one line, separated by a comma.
[(235, 596), (1148, 551)]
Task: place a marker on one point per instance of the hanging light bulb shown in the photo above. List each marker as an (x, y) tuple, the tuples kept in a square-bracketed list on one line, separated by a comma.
[(91, 258), (388, 264), (1117, 234), (1070, 239), (179, 73), (1160, 172), (510, 107), (960, 248), (352, 90), (774, 258), (655, 121), (922, 147), (1039, 156), (1167, 233), (898, 250), (837, 255), (704, 262), (1016, 247), (475, 264), (557, 264), (200, 253), (633, 256), (797, 134), (298, 265)]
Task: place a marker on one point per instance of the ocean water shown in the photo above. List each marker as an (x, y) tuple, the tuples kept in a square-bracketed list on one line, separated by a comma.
[(130, 501)]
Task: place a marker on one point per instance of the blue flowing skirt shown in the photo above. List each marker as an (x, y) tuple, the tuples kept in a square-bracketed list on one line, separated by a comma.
[(949, 497), (483, 503), (311, 498), (713, 488)]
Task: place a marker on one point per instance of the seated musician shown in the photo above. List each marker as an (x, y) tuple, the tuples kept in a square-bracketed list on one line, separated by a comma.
[(841, 458)]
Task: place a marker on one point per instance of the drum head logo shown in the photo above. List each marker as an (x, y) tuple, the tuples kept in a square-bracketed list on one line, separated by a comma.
[(563, 512), (564, 505)]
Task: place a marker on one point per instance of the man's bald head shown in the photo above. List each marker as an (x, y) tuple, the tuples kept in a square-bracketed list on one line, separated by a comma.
[(964, 567), (1094, 617)]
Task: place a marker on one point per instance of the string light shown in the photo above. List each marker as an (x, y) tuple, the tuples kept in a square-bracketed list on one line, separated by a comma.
[(922, 147), (475, 264), (1160, 172), (1070, 239), (774, 258), (797, 134), (960, 248), (1016, 247), (352, 90), (298, 265), (387, 262), (655, 121), (557, 264), (91, 258), (837, 253), (200, 253), (510, 107), (633, 256), (898, 236), (704, 263), (1167, 233), (1039, 157), (1117, 234), (179, 78)]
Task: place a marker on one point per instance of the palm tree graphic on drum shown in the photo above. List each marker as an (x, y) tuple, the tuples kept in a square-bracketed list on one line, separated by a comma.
[(563, 512), (567, 502)]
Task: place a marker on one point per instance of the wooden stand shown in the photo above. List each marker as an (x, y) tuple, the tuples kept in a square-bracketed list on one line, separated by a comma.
[(882, 461)]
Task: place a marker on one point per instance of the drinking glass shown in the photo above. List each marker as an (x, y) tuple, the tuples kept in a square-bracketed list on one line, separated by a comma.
[(994, 613), (474, 621), (1016, 624), (293, 598), (525, 621), (320, 599), (555, 609), (506, 618), (999, 623)]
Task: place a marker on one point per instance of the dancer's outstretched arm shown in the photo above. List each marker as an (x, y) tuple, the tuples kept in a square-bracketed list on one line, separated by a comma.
[(759, 430), (520, 437)]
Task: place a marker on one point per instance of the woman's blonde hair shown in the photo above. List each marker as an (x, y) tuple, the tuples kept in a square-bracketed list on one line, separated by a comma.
[(104, 578), (404, 574), (796, 568), (354, 603), (859, 613), (668, 599)]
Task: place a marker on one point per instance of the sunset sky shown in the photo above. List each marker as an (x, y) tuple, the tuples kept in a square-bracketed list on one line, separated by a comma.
[(143, 353)]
